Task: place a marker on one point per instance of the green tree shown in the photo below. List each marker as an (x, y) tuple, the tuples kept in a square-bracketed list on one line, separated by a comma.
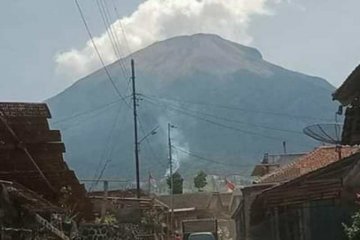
[(353, 231), (200, 180), (178, 183)]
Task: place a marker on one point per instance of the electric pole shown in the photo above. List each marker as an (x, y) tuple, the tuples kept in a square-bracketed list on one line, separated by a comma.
[(138, 193), (171, 180)]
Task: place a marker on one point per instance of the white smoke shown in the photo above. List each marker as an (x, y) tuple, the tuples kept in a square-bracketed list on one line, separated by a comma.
[(156, 20)]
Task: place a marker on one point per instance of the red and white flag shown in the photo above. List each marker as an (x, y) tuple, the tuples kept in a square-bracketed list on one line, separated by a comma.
[(229, 185)]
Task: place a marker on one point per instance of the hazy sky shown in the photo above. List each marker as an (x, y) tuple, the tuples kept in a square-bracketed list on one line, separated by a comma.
[(43, 42)]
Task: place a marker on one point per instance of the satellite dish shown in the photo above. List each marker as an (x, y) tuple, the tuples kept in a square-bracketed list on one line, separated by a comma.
[(325, 132)]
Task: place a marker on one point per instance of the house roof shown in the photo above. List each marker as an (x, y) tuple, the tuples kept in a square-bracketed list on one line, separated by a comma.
[(26, 198), (32, 155), (349, 89), (318, 158), (275, 161), (323, 183)]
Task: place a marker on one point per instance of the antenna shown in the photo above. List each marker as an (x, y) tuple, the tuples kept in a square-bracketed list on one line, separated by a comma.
[(329, 133), (325, 132)]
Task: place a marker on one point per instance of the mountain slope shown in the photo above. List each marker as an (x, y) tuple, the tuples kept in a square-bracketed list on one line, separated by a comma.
[(229, 105)]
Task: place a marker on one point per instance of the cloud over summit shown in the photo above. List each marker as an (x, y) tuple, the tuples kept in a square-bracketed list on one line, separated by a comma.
[(156, 20)]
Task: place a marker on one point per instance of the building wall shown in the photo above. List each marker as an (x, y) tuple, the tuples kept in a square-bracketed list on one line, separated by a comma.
[(315, 220)]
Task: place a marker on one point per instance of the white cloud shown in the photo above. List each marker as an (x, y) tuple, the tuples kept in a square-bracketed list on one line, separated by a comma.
[(161, 19)]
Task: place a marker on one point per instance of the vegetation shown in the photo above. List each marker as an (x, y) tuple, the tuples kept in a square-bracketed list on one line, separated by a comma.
[(353, 231), (178, 183), (65, 202), (108, 219), (200, 180)]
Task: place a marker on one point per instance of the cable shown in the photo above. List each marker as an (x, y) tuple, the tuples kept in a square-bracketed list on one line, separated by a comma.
[(240, 109), (219, 124), (157, 159), (97, 51), (85, 112), (210, 160), (122, 27), (106, 156), (238, 121), (106, 18)]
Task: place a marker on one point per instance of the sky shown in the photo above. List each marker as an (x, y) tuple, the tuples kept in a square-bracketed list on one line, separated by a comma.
[(44, 47)]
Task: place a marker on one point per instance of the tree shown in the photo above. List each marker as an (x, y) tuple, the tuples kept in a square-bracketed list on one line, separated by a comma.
[(353, 231), (200, 180), (178, 183)]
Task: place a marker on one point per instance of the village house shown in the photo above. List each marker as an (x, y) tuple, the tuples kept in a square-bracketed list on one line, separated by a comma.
[(32, 155), (348, 94), (262, 201), (271, 162)]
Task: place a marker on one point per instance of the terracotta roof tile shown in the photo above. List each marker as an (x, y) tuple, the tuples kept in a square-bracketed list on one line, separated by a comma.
[(318, 158)]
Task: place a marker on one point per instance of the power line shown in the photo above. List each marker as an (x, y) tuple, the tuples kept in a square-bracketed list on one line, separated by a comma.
[(217, 123), (102, 157), (85, 112), (98, 52), (155, 156), (210, 160), (220, 124), (122, 27), (106, 156), (237, 121), (115, 43), (240, 109)]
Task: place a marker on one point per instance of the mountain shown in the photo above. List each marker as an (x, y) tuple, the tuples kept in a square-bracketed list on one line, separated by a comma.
[(229, 105)]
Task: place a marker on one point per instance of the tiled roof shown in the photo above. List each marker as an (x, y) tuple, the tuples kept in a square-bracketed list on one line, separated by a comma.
[(24, 126), (272, 162), (318, 158)]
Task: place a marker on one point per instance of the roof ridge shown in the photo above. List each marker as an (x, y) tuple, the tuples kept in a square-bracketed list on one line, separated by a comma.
[(289, 166)]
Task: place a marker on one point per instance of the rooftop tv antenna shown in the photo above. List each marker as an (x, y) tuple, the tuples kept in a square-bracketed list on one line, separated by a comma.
[(329, 133)]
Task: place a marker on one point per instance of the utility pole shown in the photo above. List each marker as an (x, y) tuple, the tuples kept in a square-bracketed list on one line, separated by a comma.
[(138, 193), (171, 181)]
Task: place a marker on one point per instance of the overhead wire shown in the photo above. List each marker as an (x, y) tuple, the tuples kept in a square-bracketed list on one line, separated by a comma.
[(219, 124), (115, 43), (235, 108), (237, 121), (98, 52), (155, 156), (215, 123), (195, 155), (106, 155), (122, 27), (79, 114)]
